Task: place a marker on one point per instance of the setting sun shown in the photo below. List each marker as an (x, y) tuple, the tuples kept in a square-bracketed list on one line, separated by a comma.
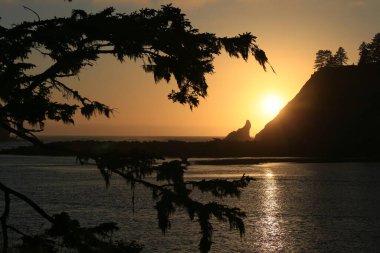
[(271, 105), (177, 118)]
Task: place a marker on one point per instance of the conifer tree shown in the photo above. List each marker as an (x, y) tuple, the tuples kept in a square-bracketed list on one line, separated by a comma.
[(323, 59), (340, 57), (375, 49), (364, 54), (370, 52)]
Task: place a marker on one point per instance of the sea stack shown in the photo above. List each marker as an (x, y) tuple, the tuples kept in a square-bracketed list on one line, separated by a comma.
[(242, 134)]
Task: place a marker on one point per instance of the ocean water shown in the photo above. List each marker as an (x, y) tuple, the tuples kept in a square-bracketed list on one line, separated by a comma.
[(291, 207)]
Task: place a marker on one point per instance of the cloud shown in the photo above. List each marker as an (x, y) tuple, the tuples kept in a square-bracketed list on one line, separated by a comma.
[(6, 2), (187, 4), (358, 3), (191, 4), (111, 2), (26, 2)]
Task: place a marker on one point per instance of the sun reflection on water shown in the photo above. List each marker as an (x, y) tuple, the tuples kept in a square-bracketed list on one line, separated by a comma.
[(270, 223), (269, 174)]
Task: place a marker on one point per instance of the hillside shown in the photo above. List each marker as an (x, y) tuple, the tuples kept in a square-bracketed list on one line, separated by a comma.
[(336, 113)]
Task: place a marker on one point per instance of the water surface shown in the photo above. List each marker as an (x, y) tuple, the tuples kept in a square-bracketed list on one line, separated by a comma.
[(291, 207)]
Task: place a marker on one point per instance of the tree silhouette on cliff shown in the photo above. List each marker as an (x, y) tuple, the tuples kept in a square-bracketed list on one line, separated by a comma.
[(370, 52), (325, 58)]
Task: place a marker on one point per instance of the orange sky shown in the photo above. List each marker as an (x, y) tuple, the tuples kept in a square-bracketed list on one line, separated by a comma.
[(289, 31)]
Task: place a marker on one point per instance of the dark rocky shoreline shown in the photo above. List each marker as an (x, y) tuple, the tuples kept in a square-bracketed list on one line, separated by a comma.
[(203, 153)]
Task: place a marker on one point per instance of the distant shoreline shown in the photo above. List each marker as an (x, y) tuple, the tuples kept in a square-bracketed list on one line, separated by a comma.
[(200, 153), (264, 160), (118, 138)]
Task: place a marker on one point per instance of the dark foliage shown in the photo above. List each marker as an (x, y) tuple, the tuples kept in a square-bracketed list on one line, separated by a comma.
[(163, 39), (173, 192), (324, 58), (169, 47), (340, 58), (370, 52), (67, 234), (64, 233)]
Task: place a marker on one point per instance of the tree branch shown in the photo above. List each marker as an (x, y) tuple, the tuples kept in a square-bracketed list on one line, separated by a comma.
[(29, 9), (32, 138), (74, 93), (30, 202), (4, 219), (18, 231)]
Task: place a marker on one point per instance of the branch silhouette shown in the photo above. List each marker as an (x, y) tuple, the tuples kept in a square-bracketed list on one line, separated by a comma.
[(163, 39), (170, 48)]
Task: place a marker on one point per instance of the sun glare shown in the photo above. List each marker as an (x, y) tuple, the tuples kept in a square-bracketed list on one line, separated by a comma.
[(271, 105)]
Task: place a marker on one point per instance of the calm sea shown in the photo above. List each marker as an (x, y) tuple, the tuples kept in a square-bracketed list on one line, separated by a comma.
[(291, 207)]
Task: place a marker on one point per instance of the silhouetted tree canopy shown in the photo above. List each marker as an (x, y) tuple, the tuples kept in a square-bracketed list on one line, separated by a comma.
[(163, 39), (170, 48), (325, 58), (173, 192), (363, 54), (322, 59), (370, 52), (340, 58)]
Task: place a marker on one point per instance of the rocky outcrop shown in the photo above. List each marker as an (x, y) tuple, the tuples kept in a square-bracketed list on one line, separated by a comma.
[(336, 113), (242, 134)]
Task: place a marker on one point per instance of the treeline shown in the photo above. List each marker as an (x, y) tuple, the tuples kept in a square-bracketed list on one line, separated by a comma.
[(369, 54)]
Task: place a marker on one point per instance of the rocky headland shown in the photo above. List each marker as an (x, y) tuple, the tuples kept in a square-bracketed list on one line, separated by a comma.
[(336, 113)]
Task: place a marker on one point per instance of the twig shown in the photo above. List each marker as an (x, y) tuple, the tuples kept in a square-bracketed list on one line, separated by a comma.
[(17, 231), (30, 202), (27, 8)]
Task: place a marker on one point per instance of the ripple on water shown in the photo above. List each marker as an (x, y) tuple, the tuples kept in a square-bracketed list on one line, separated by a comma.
[(290, 207)]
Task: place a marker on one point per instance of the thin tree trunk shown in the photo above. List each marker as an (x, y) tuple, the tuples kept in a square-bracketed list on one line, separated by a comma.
[(3, 220)]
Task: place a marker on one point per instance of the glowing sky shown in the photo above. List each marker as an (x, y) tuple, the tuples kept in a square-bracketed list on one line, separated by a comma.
[(289, 31)]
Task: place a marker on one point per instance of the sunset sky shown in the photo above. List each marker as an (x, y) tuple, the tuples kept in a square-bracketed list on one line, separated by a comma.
[(290, 32)]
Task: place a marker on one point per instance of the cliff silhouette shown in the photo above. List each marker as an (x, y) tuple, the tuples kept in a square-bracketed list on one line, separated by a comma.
[(336, 113), (242, 134)]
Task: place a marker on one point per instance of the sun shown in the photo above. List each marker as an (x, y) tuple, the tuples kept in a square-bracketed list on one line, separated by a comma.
[(271, 105)]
